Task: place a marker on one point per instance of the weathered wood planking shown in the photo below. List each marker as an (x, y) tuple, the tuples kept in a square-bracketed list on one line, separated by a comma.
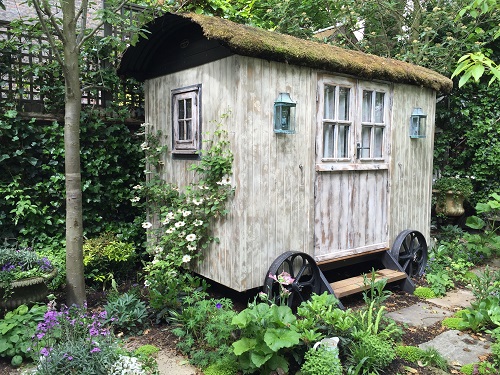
[(275, 176)]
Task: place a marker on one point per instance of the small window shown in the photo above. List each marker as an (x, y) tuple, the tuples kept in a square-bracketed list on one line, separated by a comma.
[(186, 120), (373, 125), (336, 122)]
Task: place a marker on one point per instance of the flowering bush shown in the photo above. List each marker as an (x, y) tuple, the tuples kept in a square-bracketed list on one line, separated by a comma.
[(17, 264), (184, 215), (75, 341)]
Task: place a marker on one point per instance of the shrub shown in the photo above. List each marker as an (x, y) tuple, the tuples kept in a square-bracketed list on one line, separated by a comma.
[(223, 367), (409, 353), (482, 368), (16, 329), (453, 323), (74, 341), (374, 351), (106, 258), (127, 312), (322, 361), (424, 292)]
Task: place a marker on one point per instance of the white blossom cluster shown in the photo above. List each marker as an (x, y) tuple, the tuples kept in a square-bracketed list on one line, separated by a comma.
[(126, 366)]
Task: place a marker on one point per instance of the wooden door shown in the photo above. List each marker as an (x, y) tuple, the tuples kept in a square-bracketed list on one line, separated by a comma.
[(352, 167)]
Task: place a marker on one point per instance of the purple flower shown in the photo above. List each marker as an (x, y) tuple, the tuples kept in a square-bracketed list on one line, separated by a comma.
[(218, 305), (45, 352), (95, 350)]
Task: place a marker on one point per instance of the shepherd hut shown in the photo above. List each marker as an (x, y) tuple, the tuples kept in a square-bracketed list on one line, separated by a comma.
[(332, 148)]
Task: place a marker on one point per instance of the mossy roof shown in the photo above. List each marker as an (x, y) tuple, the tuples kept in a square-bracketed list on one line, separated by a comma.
[(270, 45)]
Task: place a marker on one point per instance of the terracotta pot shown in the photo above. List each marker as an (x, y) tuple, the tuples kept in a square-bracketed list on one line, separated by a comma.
[(453, 204), (27, 291)]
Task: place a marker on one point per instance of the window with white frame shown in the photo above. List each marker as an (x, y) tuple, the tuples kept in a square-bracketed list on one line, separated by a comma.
[(337, 122), (353, 117), (186, 120), (372, 125)]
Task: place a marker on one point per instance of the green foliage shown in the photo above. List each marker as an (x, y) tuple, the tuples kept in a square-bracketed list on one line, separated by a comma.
[(376, 292), (147, 350), (146, 355), (483, 314), (321, 361), (106, 258), (453, 323), (204, 328), (409, 353), (185, 213), (16, 329), (266, 331), (376, 352), (127, 312), (222, 367), (424, 292), (486, 284), (482, 368), (487, 221), (469, 141)]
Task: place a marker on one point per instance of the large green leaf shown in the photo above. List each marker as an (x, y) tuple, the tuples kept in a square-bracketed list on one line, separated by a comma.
[(258, 359), (277, 338), (243, 345)]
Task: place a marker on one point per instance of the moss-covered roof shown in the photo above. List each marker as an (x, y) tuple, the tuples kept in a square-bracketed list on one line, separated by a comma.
[(251, 41)]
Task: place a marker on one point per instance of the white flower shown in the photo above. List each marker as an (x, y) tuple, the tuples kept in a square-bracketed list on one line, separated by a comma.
[(197, 223), (198, 201), (147, 283), (170, 215), (144, 146), (186, 258), (191, 248), (135, 199), (137, 187), (182, 234), (147, 225), (166, 221), (170, 230), (158, 249), (186, 213), (180, 224), (155, 260), (191, 237), (225, 181)]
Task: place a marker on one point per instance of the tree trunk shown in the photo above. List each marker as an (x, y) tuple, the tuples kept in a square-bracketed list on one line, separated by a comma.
[(75, 282)]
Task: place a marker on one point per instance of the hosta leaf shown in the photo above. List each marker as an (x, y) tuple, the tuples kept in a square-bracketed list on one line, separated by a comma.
[(277, 338)]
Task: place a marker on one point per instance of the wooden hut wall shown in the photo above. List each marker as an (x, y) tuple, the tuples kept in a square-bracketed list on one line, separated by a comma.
[(411, 163), (272, 209)]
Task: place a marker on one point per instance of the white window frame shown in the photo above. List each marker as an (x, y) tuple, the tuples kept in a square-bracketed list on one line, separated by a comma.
[(190, 144), (367, 160)]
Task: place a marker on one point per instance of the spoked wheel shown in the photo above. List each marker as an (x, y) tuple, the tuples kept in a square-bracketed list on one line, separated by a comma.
[(410, 247), (305, 274)]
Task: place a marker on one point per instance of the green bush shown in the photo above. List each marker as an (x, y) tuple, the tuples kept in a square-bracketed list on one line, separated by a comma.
[(16, 329), (222, 367), (424, 292), (106, 258), (127, 312), (322, 361), (481, 368), (453, 323), (409, 353), (375, 352)]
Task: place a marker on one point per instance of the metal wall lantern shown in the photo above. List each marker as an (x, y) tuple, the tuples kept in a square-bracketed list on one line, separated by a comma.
[(284, 114), (417, 123)]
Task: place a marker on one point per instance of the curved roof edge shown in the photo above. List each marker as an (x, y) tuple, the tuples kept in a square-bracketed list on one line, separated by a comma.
[(269, 45)]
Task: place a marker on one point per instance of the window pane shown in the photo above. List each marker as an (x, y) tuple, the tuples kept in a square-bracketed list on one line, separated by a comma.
[(378, 142), (181, 104), (379, 107), (328, 137), (344, 103), (329, 110), (343, 145), (189, 106), (182, 127), (365, 141), (367, 106)]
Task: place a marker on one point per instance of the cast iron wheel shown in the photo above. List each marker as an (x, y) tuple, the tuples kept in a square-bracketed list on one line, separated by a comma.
[(303, 269), (410, 247)]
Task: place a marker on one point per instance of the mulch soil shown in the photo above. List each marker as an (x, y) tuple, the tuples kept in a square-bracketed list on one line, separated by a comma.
[(161, 336)]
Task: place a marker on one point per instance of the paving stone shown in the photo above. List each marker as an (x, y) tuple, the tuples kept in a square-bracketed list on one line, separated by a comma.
[(420, 315), (458, 348), (455, 300)]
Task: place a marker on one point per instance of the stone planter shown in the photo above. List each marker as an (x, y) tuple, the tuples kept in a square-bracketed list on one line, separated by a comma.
[(27, 291), (452, 205)]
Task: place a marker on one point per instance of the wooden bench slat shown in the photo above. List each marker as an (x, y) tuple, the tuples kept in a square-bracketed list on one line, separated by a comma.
[(355, 284)]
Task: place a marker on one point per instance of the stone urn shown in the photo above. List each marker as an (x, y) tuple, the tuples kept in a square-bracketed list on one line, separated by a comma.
[(27, 291), (452, 204)]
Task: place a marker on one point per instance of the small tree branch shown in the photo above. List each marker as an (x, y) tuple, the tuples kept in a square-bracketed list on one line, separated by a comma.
[(86, 37), (50, 36), (82, 12)]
